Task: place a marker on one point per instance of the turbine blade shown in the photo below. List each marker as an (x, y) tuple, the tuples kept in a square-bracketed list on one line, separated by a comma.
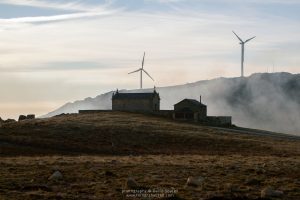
[(134, 71), (143, 61), (250, 39), (148, 74), (237, 36)]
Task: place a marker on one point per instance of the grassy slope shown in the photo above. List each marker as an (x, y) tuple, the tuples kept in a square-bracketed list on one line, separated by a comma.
[(129, 133), (227, 160)]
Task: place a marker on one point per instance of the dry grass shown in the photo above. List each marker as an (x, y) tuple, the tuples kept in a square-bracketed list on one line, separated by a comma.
[(84, 177), (130, 134), (157, 152)]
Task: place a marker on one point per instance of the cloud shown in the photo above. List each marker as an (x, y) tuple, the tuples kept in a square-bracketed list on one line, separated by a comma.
[(79, 11), (230, 1), (73, 5), (266, 1), (48, 60), (166, 1), (53, 18)]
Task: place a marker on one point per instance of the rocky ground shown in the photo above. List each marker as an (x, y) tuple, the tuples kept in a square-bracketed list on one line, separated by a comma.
[(132, 156), (210, 177)]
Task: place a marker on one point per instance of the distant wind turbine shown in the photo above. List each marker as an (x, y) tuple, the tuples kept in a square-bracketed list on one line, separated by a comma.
[(243, 51), (141, 70)]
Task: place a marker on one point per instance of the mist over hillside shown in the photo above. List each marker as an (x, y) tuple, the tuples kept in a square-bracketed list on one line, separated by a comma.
[(262, 101)]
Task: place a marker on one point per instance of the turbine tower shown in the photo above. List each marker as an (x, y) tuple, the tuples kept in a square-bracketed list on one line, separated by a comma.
[(141, 70), (243, 51)]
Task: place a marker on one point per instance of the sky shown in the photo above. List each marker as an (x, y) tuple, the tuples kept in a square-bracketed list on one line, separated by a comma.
[(53, 52)]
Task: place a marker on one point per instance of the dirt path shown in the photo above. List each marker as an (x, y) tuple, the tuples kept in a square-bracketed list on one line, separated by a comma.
[(258, 133)]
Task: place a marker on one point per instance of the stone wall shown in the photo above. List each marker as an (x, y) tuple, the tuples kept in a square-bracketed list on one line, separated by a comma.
[(164, 113), (217, 120), (92, 111)]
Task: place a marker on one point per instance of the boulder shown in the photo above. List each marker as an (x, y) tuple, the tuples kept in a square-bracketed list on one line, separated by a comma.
[(269, 192), (22, 117), (30, 116), (194, 181), (131, 183), (9, 121), (260, 170), (57, 175)]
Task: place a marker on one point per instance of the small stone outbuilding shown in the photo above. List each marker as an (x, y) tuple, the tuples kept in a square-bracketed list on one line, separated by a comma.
[(190, 109), (136, 102)]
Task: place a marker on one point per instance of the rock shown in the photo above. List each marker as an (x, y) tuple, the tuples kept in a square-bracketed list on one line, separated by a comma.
[(260, 170), (57, 175), (61, 115), (9, 121), (30, 116), (194, 181), (269, 192), (22, 117), (131, 183), (114, 162)]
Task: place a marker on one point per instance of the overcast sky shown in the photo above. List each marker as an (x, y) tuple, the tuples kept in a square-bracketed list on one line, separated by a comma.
[(53, 52)]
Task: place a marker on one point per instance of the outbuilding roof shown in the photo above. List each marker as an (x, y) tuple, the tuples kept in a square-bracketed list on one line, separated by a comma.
[(192, 101)]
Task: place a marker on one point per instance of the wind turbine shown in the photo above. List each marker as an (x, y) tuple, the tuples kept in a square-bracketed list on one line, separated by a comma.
[(243, 51), (141, 70)]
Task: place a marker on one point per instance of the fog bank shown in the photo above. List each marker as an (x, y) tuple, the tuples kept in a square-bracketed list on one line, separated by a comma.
[(261, 101)]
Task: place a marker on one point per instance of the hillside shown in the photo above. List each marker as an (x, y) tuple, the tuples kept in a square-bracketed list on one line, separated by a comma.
[(97, 155), (261, 101), (117, 133)]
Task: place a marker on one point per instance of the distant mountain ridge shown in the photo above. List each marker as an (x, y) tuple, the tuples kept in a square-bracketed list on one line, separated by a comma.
[(269, 101)]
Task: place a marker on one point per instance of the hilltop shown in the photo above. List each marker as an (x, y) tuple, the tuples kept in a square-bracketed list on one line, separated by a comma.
[(96, 153), (118, 133), (261, 101)]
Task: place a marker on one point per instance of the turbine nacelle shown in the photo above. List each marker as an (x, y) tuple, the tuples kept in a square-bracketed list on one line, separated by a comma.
[(141, 70), (243, 51)]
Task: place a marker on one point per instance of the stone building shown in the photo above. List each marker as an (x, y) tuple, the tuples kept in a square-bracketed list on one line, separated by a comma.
[(193, 110), (136, 102), (190, 109)]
